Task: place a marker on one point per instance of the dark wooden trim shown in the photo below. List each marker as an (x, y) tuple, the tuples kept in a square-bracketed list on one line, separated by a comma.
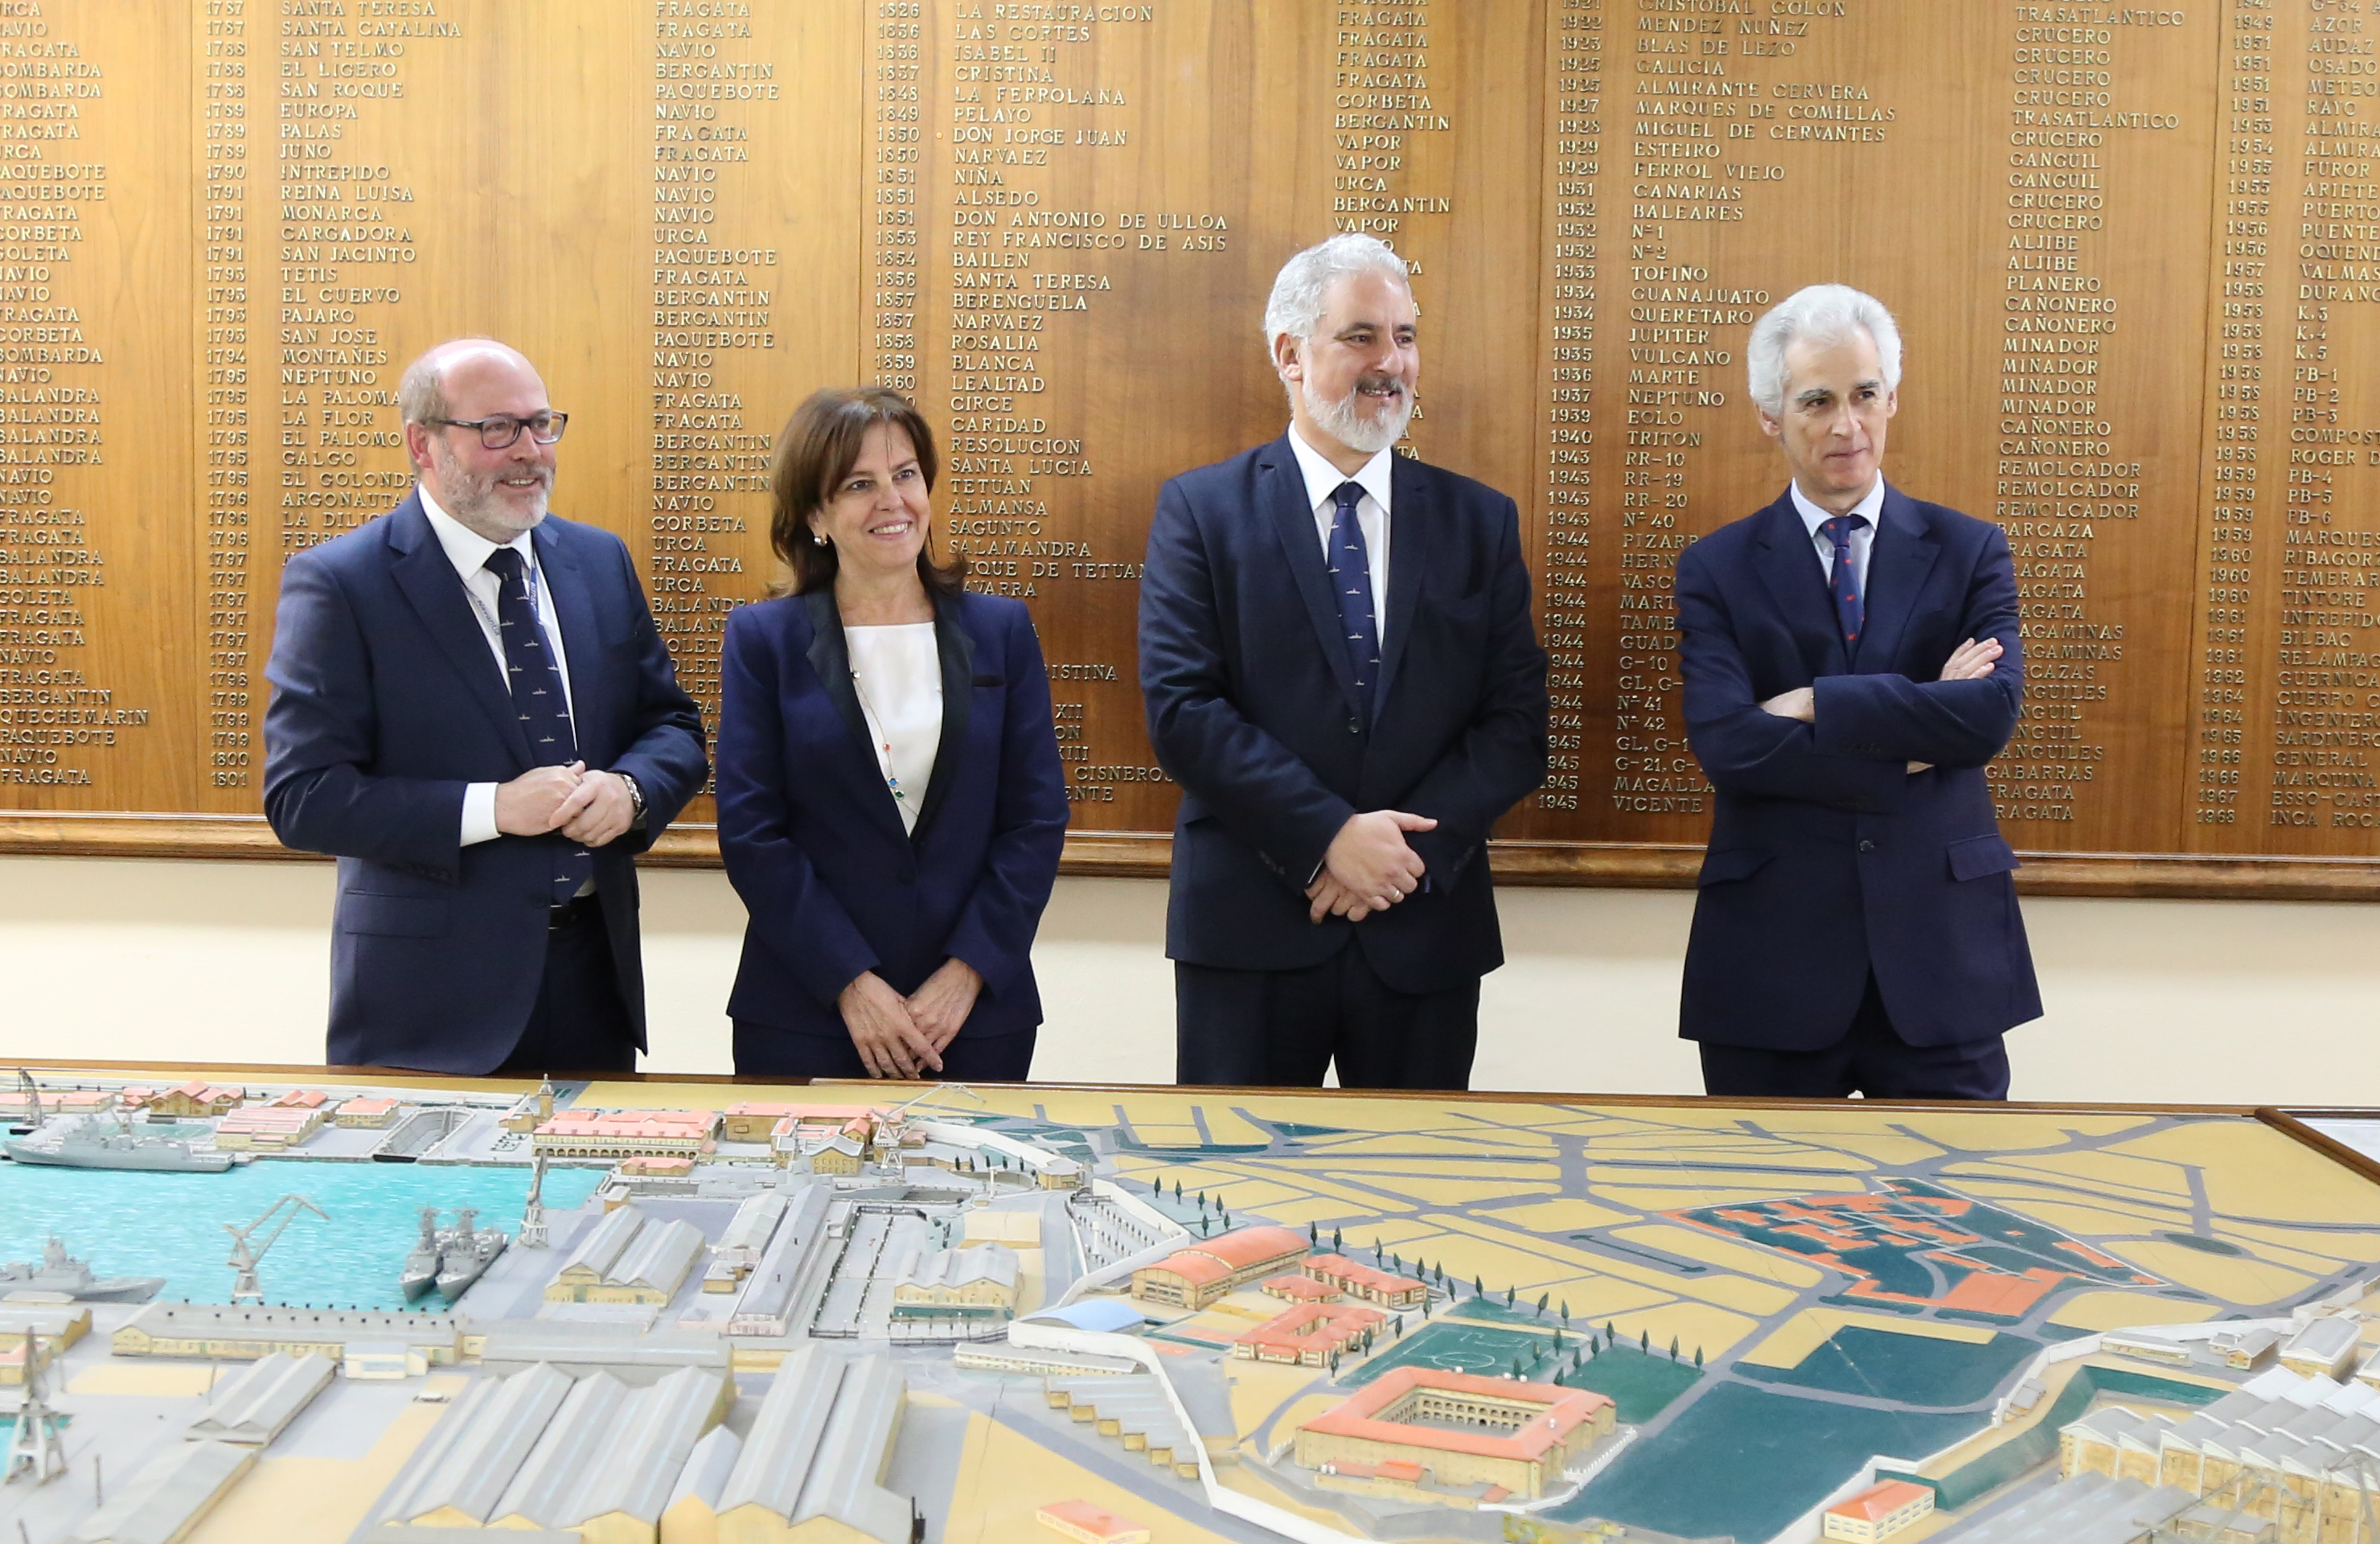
[(1146, 855), (2291, 1123)]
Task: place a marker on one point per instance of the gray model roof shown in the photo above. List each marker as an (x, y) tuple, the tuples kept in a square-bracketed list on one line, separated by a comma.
[(819, 1444), (650, 1445), (633, 1356), (2088, 1509), (660, 1257), (755, 1220), (704, 1476), (2325, 1339), (470, 1457), (557, 1470), (600, 1247), (172, 1491), (256, 1403), (951, 1270)]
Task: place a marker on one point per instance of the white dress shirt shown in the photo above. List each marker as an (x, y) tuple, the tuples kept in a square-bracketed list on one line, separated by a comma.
[(898, 673), (1322, 480), (1863, 539), (469, 550)]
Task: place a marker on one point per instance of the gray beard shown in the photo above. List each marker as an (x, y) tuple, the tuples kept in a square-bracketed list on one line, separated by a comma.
[(472, 498), (1347, 423)]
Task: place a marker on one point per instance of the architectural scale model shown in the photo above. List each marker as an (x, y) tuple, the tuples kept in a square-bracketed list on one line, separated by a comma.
[(686, 1314)]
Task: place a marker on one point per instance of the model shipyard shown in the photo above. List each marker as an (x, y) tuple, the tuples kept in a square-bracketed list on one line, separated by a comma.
[(997, 1316)]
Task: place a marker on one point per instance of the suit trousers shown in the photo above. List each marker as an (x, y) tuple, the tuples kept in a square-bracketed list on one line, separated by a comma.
[(1284, 1029), (765, 1050), (578, 1023), (1871, 1060)]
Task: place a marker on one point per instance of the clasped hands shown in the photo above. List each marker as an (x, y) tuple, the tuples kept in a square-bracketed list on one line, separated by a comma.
[(1971, 660), (589, 808), (1368, 867), (897, 1036)]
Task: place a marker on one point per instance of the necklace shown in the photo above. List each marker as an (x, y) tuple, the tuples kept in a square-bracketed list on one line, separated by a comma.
[(883, 742)]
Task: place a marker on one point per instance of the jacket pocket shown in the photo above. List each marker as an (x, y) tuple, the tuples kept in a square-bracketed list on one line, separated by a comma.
[(1728, 864), (368, 911), (1978, 856)]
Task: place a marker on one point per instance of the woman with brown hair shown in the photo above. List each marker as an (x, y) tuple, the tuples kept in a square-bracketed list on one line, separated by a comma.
[(890, 800)]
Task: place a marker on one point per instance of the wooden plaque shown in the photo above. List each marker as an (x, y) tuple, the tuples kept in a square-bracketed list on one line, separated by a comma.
[(2131, 251)]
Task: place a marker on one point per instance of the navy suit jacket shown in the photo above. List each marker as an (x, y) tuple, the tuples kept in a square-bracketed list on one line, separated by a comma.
[(1252, 708), (813, 841), (1828, 857), (386, 701)]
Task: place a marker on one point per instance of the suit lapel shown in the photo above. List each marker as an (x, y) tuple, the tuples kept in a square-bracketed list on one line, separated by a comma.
[(1281, 487), (956, 649), (582, 643), (432, 587), (830, 659), (1412, 523), (1897, 568), (1789, 566)]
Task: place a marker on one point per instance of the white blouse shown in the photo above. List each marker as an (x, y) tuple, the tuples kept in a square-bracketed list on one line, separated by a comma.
[(897, 674)]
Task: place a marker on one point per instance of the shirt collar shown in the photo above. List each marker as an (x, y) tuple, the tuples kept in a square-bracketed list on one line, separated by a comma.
[(1813, 516), (466, 548), (1322, 478)]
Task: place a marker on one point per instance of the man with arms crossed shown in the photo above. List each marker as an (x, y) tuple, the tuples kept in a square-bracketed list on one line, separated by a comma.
[(1341, 671), (1851, 663), (471, 707)]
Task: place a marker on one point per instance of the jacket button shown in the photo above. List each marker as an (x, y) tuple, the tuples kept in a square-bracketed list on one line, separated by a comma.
[(1867, 846), (1355, 726)]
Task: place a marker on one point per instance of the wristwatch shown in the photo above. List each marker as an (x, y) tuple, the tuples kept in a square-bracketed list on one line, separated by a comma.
[(636, 799)]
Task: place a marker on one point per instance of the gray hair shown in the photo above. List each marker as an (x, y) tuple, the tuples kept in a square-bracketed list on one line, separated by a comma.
[(1298, 302), (1823, 314), (422, 392)]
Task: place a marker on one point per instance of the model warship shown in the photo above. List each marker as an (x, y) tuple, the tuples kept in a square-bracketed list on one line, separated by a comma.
[(449, 1260), (61, 1273), (98, 1142)]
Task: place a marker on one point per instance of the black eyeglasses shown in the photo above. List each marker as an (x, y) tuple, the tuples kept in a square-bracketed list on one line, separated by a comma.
[(501, 431)]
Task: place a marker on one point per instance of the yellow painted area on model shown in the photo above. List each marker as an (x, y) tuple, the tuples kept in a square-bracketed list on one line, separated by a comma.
[(1005, 1477), (1001, 1225), (1307, 1208), (1749, 1178), (2254, 1170), (1354, 1200), (1565, 1214), (1488, 1142), (2125, 1310), (1727, 1254), (2252, 1283), (1465, 1192), (1665, 1197), (2108, 1173), (131, 1378), (2003, 1132), (1513, 1169), (1244, 1192), (1791, 1344), (1731, 1291), (930, 1399), (1261, 1389), (2081, 1221), (2335, 1247), (1694, 1325), (315, 1501), (1886, 1149)]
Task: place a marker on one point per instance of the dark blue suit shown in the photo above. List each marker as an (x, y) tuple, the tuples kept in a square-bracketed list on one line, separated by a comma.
[(1253, 708), (815, 847), (1829, 862), (386, 702)]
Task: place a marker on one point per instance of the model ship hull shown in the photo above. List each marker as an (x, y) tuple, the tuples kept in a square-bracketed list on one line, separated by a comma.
[(467, 1263), (165, 1158)]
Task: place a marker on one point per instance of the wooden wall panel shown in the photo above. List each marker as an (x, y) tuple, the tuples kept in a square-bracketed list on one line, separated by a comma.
[(2134, 253)]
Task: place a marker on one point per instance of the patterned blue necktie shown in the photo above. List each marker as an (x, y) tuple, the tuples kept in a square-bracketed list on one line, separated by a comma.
[(1843, 577), (538, 698), (1351, 576)]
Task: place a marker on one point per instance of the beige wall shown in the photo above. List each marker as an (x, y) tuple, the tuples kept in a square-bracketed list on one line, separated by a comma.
[(2181, 1001)]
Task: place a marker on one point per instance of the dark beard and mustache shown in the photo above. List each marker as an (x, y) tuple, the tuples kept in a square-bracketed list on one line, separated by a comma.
[(1345, 420)]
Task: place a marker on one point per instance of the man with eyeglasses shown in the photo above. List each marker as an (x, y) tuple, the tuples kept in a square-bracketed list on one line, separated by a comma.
[(473, 711)]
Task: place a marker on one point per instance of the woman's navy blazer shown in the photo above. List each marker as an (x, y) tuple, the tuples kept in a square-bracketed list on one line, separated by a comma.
[(813, 841)]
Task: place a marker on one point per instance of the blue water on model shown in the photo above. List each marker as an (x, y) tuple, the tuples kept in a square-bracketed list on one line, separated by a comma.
[(172, 1225)]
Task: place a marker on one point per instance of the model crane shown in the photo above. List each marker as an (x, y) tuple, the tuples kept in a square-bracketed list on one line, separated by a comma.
[(32, 1099), (34, 1447), (532, 1226), (244, 1255)]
